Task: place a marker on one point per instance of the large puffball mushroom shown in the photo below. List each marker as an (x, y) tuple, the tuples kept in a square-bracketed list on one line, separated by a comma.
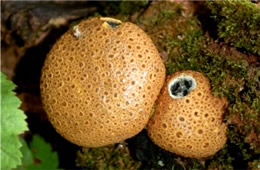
[(100, 81), (188, 118)]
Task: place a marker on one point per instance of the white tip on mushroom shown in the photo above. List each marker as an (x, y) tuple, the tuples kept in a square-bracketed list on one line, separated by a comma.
[(181, 86), (76, 32)]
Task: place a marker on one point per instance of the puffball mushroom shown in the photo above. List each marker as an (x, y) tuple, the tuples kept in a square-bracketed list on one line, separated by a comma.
[(188, 118), (100, 81)]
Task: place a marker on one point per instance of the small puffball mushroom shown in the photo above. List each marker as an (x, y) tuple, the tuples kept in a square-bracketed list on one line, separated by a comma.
[(188, 118), (100, 81)]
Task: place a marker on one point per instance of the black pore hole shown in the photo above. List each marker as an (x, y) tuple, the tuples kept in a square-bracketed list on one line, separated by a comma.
[(112, 24), (175, 88), (181, 88)]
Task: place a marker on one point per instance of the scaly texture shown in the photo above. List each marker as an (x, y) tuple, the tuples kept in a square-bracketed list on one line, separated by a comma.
[(190, 126), (12, 124), (100, 81)]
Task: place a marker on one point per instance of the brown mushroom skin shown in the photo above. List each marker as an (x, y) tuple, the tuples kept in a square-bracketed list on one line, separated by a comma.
[(190, 126), (100, 81)]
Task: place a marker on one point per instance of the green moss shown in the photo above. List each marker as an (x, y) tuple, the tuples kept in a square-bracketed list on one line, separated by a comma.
[(129, 7), (161, 12), (120, 9), (166, 20), (113, 157), (192, 53), (222, 160), (238, 23)]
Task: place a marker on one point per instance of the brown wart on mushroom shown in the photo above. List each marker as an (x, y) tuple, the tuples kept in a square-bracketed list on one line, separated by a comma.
[(188, 118), (100, 81)]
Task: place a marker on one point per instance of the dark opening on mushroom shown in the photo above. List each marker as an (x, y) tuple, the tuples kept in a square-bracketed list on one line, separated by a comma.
[(110, 22), (181, 86)]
